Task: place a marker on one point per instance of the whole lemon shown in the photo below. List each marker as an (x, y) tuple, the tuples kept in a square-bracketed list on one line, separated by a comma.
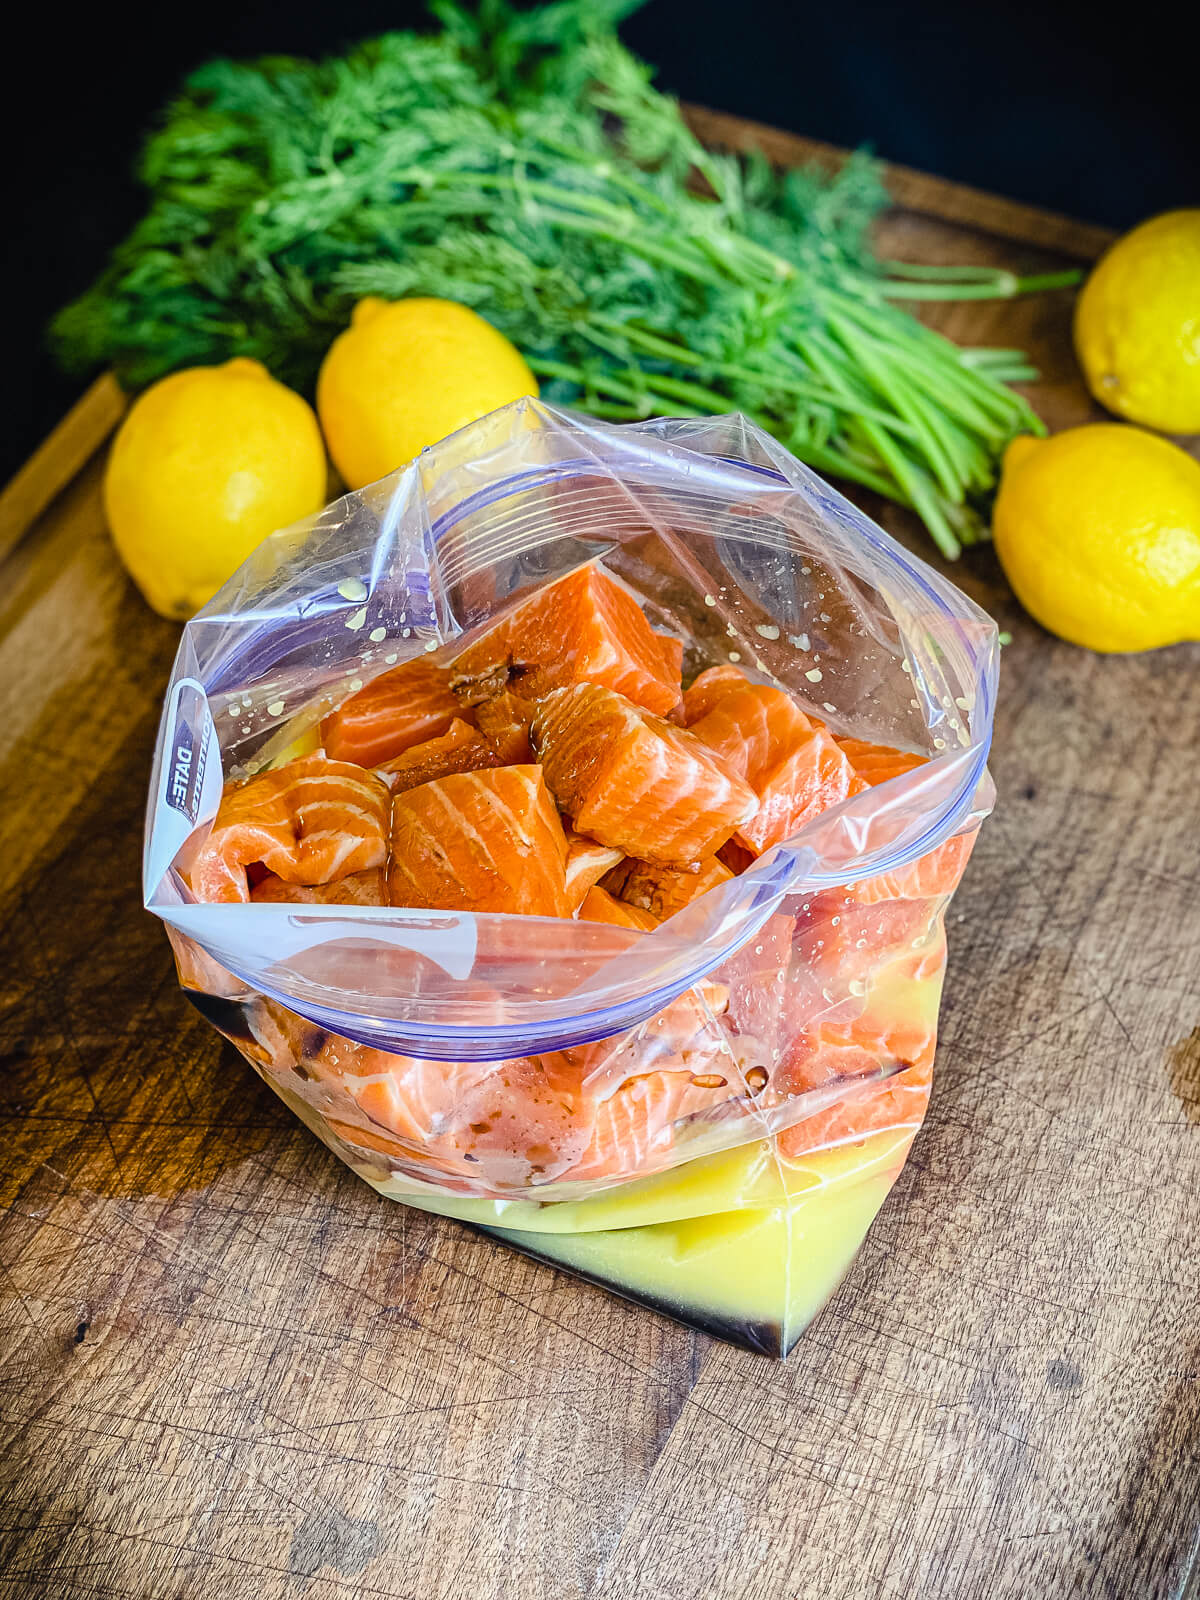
[(405, 374), (207, 463), (1098, 531), (1137, 324)]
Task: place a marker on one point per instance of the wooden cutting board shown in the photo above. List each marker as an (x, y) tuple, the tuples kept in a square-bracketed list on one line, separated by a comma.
[(230, 1370)]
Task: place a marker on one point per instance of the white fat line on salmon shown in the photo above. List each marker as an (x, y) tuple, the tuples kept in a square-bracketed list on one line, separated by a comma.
[(376, 816), (336, 780), (437, 849), (519, 828), (655, 770), (347, 843), (456, 814), (333, 870)]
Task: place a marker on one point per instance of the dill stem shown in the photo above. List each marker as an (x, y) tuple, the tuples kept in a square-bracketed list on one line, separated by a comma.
[(917, 487), (892, 386), (633, 403), (777, 378)]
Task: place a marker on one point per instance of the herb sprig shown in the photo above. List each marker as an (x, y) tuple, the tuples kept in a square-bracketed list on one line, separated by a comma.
[(522, 162)]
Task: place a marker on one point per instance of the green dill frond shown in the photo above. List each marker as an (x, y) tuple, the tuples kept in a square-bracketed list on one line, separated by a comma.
[(521, 161)]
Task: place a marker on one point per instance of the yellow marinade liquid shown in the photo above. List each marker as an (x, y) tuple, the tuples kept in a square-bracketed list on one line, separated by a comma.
[(740, 1244)]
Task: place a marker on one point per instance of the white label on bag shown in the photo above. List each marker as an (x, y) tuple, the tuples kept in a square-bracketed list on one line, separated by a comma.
[(190, 779)]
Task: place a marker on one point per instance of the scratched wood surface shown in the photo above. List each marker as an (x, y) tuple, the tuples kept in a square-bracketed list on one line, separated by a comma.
[(228, 1370)]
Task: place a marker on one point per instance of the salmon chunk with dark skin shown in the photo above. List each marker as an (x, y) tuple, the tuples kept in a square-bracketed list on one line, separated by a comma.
[(504, 721)]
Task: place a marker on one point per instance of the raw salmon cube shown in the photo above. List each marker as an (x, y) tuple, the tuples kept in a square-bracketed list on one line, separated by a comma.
[(406, 706), (795, 767), (712, 685), (814, 776), (664, 890), (584, 629), (749, 725), (461, 748), (876, 763), (312, 821), (936, 873), (893, 1025), (587, 862), (480, 841), (634, 781), (634, 1131), (504, 1122), (600, 906)]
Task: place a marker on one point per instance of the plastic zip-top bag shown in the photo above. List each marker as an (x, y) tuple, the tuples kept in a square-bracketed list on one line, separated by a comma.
[(564, 826)]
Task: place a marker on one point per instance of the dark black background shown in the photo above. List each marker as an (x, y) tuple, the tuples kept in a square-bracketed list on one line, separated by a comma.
[(1083, 109)]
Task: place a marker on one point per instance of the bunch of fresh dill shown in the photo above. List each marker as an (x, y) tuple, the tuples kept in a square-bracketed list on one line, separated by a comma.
[(521, 162)]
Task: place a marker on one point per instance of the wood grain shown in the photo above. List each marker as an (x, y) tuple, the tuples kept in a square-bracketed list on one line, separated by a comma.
[(59, 459), (230, 1370)]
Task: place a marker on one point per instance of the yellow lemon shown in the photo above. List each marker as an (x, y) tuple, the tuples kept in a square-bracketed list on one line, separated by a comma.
[(1137, 324), (1098, 531), (208, 462), (405, 374)]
